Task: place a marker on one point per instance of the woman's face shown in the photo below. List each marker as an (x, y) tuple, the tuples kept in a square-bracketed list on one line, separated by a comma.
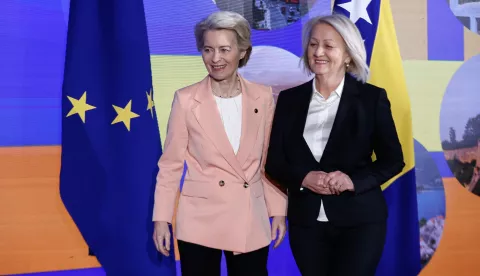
[(220, 53), (327, 54)]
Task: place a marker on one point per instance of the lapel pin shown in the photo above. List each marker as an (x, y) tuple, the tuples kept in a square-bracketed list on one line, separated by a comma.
[(256, 110)]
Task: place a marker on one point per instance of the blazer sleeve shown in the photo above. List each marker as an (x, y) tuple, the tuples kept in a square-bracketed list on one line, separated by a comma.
[(171, 163), (277, 166), (387, 148), (276, 200)]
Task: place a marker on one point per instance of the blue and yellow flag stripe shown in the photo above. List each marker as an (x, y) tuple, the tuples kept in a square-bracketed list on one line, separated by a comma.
[(401, 255), (387, 72)]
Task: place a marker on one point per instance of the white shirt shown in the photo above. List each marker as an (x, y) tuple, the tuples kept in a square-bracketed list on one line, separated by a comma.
[(319, 123), (231, 114)]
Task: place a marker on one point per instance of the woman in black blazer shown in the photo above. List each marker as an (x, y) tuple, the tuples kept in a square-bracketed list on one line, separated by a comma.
[(323, 135)]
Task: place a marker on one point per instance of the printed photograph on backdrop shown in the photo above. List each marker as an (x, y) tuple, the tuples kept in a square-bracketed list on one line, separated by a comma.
[(431, 202), (268, 14), (460, 125), (467, 12)]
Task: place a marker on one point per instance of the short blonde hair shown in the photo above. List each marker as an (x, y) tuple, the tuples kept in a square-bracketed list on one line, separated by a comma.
[(353, 43), (227, 20)]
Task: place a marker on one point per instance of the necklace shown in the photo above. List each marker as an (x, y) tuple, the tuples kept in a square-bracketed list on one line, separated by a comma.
[(235, 94)]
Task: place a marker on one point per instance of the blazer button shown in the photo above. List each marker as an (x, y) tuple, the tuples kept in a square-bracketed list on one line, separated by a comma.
[(221, 183), (245, 185)]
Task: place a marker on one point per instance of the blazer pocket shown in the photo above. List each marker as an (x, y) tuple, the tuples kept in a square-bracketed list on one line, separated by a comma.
[(196, 189)]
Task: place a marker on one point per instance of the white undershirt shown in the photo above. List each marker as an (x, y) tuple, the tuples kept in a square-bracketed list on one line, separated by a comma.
[(319, 123), (231, 114)]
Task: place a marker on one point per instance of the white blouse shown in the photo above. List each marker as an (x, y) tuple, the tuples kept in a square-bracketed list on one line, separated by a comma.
[(319, 123), (231, 114)]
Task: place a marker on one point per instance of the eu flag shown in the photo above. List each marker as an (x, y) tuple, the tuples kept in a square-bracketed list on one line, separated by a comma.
[(110, 137), (401, 255)]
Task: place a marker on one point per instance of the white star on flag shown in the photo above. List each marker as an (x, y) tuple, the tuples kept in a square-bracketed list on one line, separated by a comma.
[(357, 10)]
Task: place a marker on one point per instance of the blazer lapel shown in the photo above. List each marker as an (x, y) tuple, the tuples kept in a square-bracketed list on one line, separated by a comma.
[(304, 98), (207, 114), (251, 118), (344, 109)]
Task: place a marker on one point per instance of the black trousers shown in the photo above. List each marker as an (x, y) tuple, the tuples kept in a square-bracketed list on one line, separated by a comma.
[(197, 260), (326, 250)]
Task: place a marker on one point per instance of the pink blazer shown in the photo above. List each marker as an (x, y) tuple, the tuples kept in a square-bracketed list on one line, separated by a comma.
[(226, 200)]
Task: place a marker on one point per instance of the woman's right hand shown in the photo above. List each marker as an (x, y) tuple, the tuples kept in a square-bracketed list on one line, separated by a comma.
[(314, 181), (161, 237)]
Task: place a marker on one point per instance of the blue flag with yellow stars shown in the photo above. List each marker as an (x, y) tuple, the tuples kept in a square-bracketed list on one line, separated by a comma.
[(110, 137)]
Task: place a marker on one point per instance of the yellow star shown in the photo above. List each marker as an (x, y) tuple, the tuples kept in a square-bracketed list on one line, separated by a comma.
[(124, 115), (80, 106), (150, 104)]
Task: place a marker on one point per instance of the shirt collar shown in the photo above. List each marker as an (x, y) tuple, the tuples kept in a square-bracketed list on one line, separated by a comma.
[(337, 90)]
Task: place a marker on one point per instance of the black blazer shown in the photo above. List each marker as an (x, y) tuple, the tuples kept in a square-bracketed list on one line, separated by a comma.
[(363, 124)]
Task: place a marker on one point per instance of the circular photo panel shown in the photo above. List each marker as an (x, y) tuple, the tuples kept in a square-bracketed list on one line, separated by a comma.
[(431, 202), (268, 14), (467, 12), (460, 125), (275, 67)]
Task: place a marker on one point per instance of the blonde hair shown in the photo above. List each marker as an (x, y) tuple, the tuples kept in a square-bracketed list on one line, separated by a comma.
[(353, 41), (227, 20)]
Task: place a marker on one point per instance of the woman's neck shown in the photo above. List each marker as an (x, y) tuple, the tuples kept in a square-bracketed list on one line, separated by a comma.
[(327, 84), (226, 88)]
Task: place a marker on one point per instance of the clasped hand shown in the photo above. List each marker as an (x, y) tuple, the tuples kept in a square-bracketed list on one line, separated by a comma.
[(324, 183)]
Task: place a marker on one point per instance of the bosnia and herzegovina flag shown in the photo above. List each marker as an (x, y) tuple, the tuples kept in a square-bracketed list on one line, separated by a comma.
[(110, 136), (374, 20)]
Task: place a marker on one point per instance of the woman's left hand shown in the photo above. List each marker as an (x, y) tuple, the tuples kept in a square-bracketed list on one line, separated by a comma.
[(278, 225), (339, 182)]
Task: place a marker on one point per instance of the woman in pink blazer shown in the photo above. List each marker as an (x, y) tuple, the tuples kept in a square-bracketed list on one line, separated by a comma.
[(220, 127)]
